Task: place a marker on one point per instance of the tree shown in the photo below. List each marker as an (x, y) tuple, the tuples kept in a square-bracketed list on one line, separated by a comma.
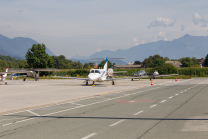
[(38, 58), (147, 63), (60, 62), (23, 64), (166, 69), (158, 62), (187, 62), (101, 65), (166, 59), (86, 66), (195, 61), (153, 61), (206, 61), (196, 66)]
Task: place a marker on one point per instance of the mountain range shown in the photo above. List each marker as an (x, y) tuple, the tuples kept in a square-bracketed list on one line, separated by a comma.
[(17, 47), (186, 46)]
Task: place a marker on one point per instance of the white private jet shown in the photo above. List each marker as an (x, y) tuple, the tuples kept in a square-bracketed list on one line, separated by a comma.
[(99, 75)]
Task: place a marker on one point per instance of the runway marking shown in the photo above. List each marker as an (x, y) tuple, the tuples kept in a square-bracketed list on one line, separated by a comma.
[(185, 90), (153, 106), (182, 92), (162, 101), (132, 101), (78, 106), (138, 112), (24, 120), (32, 112), (6, 124), (176, 94), (170, 97), (10, 119), (89, 136), (75, 104), (117, 122)]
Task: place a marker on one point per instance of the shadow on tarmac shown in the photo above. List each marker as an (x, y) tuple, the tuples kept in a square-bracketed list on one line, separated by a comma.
[(62, 117)]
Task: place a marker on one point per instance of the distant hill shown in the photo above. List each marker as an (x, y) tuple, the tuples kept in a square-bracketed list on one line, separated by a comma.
[(186, 46), (17, 47), (117, 62)]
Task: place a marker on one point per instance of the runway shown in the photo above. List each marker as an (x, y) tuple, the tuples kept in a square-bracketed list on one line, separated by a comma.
[(166, 110)]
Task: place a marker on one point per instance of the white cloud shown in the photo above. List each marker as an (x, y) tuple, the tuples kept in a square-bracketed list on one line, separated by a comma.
[(98, 50), (200, 19), (182, 27), (165, 22), (135, 40), (160, 36)]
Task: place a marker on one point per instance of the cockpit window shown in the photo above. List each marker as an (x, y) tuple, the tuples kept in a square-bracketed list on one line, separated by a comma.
[(97, 71), (92, 71)]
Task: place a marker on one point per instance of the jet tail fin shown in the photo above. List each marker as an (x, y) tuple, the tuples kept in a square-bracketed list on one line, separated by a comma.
[(6, 71)]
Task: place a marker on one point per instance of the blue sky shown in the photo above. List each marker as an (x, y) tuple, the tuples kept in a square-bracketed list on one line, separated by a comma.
[(83, 27)]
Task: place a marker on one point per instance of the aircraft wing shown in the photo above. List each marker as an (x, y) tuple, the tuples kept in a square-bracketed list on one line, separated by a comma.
[(120, 78), (71, 78), (46, 69), (12, 72), (166, 75)]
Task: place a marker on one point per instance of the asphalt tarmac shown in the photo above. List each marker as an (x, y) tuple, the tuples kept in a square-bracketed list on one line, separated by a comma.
[(129, 110)]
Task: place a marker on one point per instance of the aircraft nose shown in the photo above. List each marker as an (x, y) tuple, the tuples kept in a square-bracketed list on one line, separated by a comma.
[(93, 77)]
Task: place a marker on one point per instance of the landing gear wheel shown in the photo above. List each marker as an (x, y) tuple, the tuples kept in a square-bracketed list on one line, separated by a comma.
[(5, 83), (132, 79), (113, 83), (150, 79), (86, 83), (24, 79), (93, 83)]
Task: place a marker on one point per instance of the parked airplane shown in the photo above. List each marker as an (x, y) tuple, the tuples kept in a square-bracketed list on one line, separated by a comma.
[(32, 73), (3, 76), (99, 75), (142, 73)]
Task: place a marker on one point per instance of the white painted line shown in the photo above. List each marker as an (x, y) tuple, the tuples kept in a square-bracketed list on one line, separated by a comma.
[(162, 101), (89, 136), (10, 119), (138, 112), (32, 112), (76, 103), (117, 122), (7, 124), (188, 88), (153, 106), (182, 92), (74, 107), (170, 97), (176, 94), (24, 120), (185, 90)]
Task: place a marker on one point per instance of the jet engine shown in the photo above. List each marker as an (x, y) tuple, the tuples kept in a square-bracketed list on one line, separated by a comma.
[(110, 72)]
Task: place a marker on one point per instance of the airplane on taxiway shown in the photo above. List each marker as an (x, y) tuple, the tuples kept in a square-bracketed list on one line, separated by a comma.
[(142, 73), (99, 75)]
